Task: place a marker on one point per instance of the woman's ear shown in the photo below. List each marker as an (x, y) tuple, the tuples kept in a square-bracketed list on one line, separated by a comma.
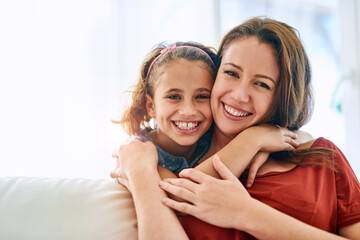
[(150, 106)]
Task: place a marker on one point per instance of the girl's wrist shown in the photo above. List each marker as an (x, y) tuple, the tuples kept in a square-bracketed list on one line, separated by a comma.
[(134, 174), (137, 178)]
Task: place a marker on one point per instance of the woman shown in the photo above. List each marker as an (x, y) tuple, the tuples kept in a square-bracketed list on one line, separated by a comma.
[(264, 76)]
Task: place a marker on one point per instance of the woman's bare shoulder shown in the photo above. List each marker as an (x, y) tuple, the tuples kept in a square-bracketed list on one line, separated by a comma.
[(303, 136), (305, 139)]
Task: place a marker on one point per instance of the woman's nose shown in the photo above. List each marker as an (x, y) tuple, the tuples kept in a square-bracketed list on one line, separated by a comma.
[(241, 92)]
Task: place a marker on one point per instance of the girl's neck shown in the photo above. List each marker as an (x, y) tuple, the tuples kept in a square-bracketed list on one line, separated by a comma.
[(170, 146)]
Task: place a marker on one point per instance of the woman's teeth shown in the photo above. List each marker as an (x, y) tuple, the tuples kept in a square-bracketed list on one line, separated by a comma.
[(234, 112), (186, 125)]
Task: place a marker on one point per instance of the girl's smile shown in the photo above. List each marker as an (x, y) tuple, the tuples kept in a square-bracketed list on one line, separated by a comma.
[(181, 103)]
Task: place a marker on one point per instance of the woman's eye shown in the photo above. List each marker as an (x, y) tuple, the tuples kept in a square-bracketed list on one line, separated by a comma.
[(202, 96), (231, 73), (174, 97), (263, 85)]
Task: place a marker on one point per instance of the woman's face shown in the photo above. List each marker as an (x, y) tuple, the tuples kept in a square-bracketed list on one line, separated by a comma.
[(244, 91)]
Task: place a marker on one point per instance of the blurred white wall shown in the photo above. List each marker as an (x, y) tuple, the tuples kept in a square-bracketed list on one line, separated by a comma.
[(64, 65), (350, 78)]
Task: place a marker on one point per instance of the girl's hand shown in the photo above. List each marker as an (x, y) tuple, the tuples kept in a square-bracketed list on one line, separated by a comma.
[(271, 138), (287, 138), (258, 160), (217, 201), (133, 159)]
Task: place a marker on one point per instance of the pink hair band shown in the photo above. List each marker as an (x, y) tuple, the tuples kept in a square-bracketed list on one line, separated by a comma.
[(172, 47)]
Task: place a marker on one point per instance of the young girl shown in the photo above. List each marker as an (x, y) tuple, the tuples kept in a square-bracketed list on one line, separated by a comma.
[(174, 89)]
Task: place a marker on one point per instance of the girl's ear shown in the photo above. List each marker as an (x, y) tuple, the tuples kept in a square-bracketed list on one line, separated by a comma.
[(150, 106)]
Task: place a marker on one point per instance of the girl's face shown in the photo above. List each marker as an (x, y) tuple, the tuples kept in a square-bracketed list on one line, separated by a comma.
[(244, 91), (181, 102)]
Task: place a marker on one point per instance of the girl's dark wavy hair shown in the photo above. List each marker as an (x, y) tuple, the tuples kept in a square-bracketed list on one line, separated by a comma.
[(135, 116)]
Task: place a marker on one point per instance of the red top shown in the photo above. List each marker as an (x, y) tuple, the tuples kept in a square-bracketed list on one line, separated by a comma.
[(315, 195)]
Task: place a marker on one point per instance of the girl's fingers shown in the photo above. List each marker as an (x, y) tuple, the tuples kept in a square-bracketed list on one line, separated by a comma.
[(223, 171), (252, 173), (251, 177), (180, 206), (181, 192), (290, 133), (291, 148), (292, 142), (259, 159), (113, 175)]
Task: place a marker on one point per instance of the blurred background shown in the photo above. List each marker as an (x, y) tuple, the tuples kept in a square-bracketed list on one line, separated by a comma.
[(64, 66)]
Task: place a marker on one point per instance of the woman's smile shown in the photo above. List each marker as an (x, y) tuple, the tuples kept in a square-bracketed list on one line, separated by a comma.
[(244, 89)]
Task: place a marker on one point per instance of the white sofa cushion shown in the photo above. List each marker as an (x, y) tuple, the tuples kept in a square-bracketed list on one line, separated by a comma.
[(45, 208)]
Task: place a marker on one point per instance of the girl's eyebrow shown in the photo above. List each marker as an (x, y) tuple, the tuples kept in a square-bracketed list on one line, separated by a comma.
[(174, 90), (257, 75), (180, 90), (203, 90)]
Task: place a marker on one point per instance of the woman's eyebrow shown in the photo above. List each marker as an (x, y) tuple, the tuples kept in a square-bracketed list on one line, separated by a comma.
[(234, 65), (257, 75), (266, 77)]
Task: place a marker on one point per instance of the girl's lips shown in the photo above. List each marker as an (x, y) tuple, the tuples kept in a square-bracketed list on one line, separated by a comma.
[(234, 113), (186, 127)]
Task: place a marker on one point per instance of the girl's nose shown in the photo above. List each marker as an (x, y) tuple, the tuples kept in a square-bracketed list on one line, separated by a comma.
[(187, 109)]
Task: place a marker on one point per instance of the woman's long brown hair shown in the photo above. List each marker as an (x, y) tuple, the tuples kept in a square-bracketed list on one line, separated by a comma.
[(294, 103)]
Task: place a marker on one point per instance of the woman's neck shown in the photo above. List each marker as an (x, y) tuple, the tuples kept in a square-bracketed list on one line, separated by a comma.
[(170, 146), (219, 140)]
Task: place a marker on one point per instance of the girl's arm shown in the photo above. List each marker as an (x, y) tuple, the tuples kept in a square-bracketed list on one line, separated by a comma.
[(138, 171), (244, 149), (238, 154), (226, 203)]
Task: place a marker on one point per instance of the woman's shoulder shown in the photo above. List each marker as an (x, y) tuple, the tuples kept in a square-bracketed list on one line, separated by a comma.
[(318, 142), (303, 136), (323, 142)]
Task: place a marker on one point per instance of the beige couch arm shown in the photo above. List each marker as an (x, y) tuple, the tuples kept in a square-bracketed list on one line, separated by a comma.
[(44, 208)]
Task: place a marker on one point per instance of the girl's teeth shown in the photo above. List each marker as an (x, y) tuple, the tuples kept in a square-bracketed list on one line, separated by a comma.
[(235, 113), (185, 125)]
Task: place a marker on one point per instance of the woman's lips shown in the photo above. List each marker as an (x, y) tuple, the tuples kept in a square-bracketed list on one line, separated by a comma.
[(234, 113)]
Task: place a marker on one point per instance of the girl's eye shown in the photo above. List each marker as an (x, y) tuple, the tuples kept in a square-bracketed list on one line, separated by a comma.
[(174, 96), (263, 85), (201, 96), (231, 73)]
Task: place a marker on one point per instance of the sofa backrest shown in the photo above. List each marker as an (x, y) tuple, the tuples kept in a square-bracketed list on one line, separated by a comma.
[(45, 208)]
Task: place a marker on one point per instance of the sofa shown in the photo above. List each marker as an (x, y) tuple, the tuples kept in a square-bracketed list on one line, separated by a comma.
[(53, 208)]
